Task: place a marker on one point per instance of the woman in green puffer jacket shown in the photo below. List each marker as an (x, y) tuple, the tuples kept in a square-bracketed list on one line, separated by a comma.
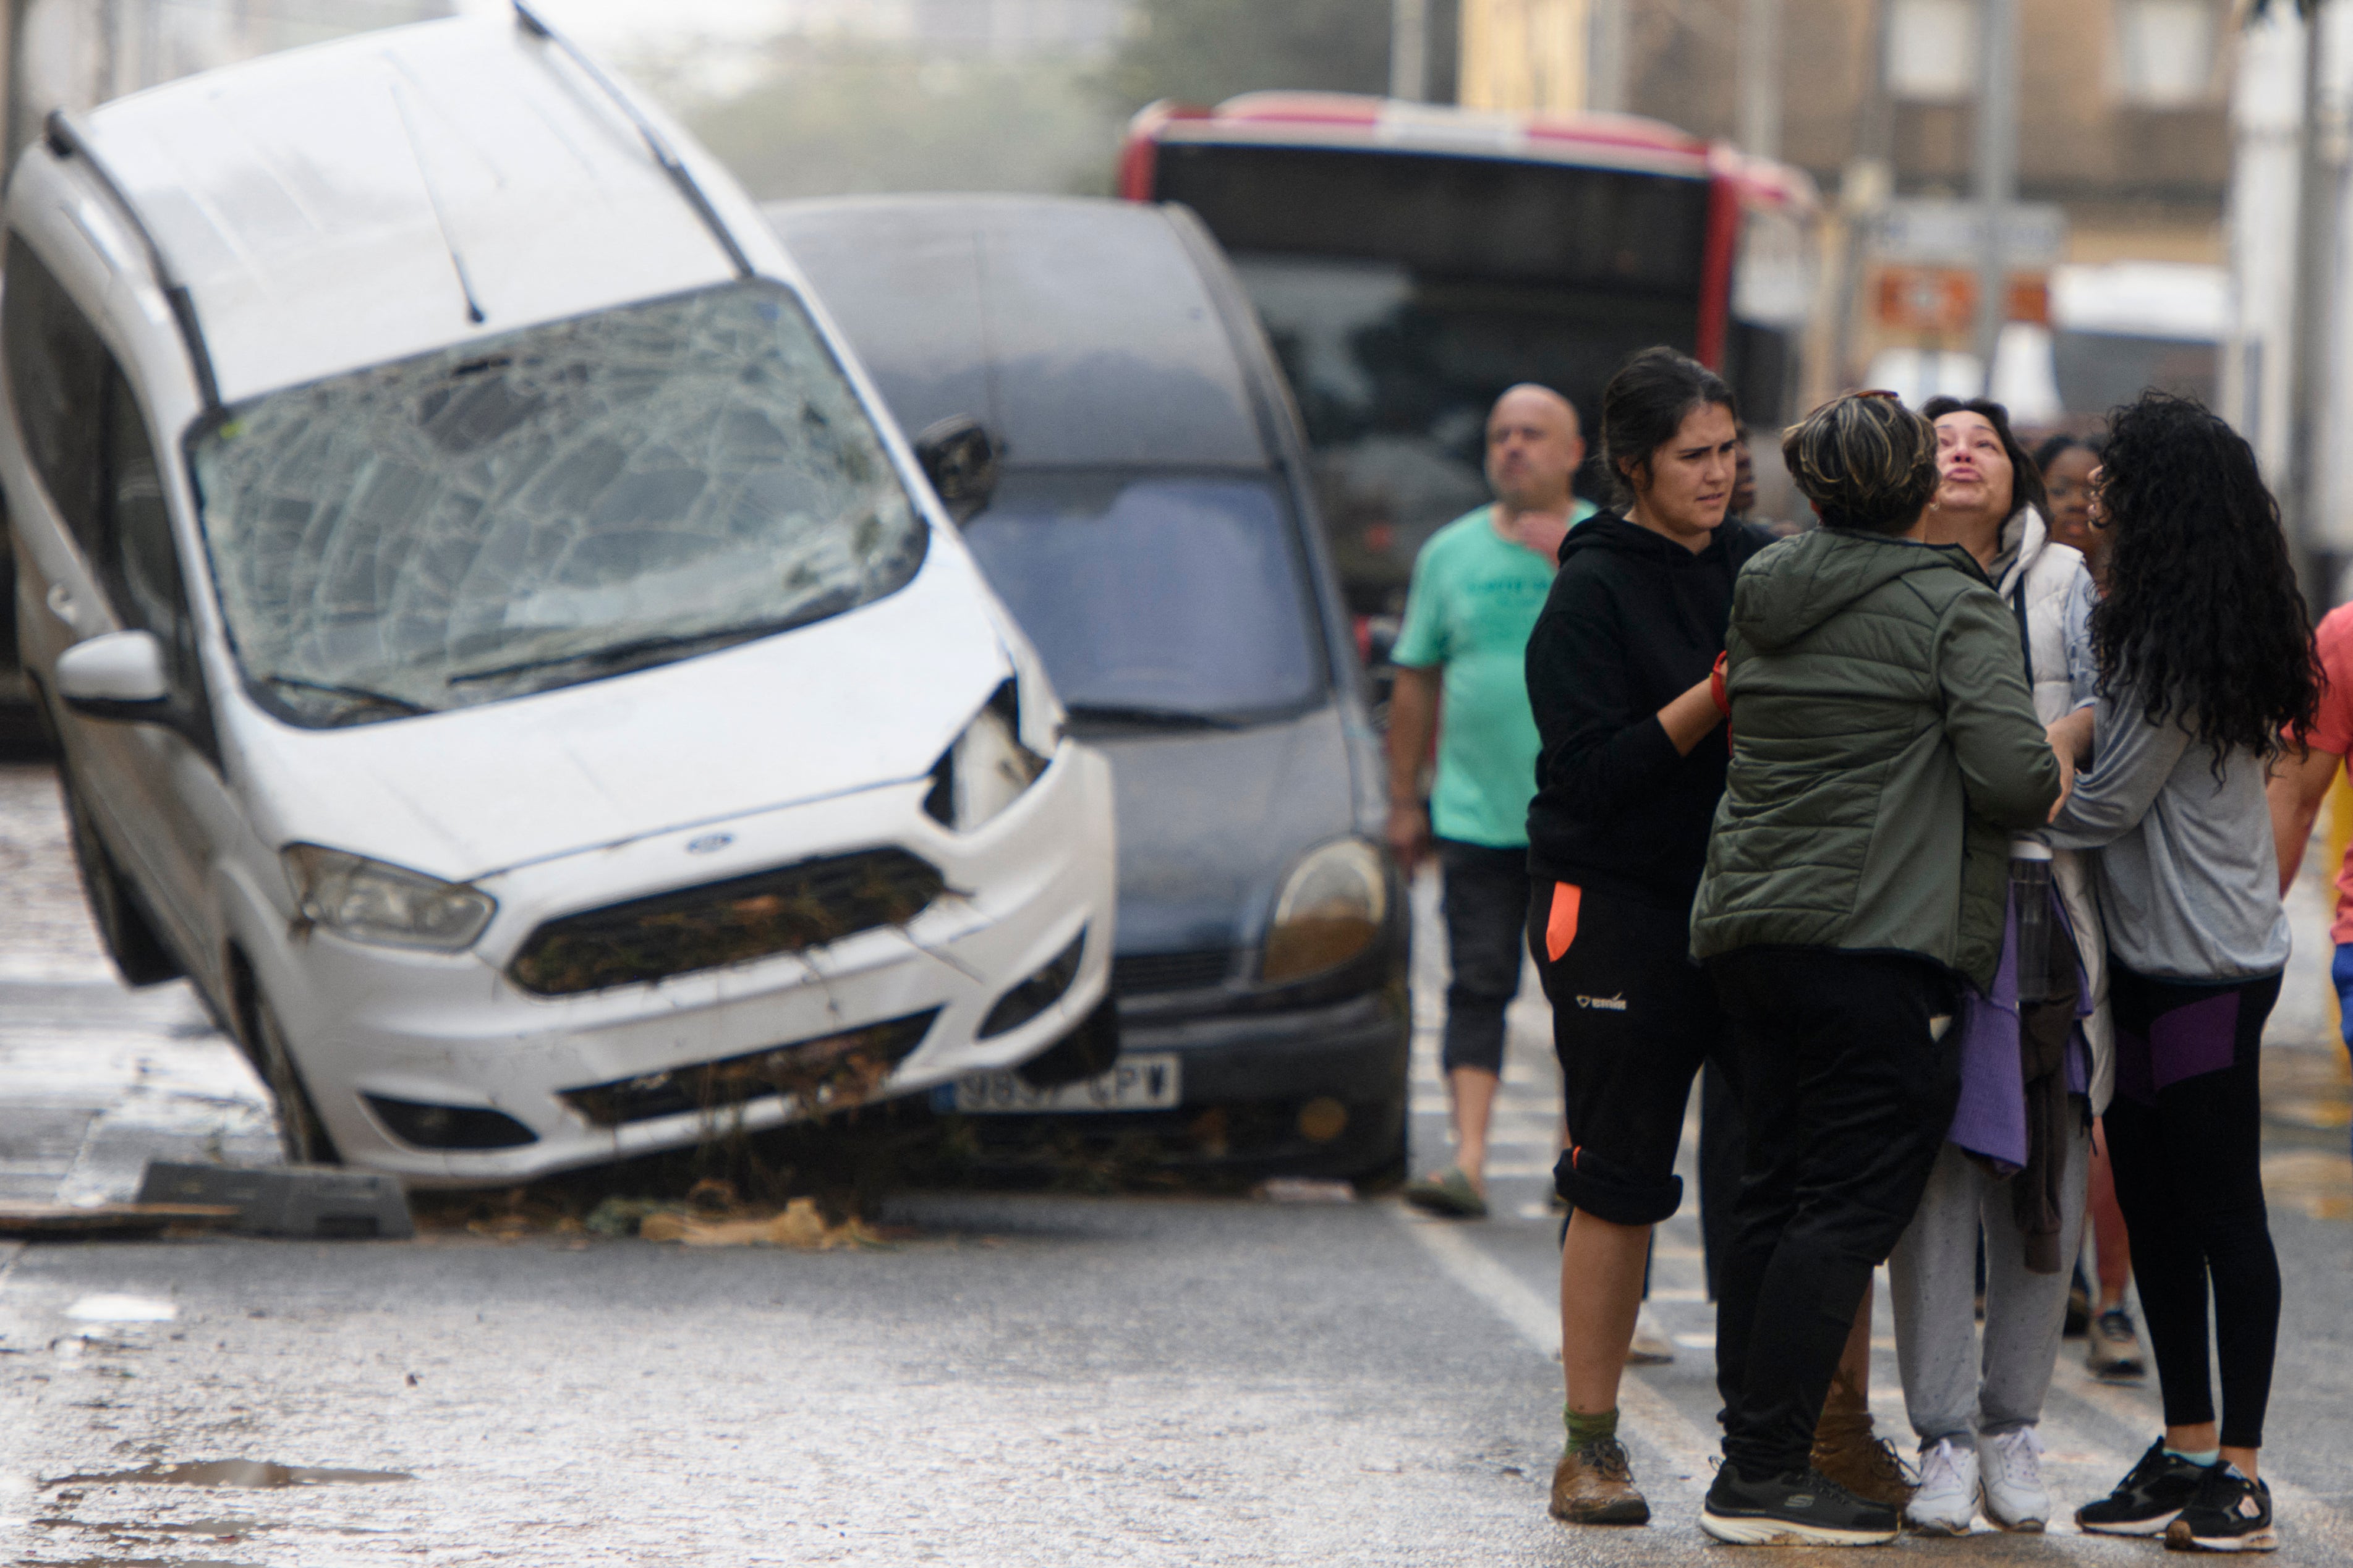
[(1884, 747)]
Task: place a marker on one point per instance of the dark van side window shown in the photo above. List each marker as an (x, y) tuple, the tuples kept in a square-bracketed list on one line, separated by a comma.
[(57, 369), (95, 455)]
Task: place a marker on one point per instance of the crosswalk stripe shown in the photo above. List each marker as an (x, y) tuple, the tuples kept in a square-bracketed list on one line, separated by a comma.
[(1653, 1420)]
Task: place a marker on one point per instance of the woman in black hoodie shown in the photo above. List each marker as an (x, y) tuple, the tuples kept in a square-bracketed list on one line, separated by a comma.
[(1620, 678)]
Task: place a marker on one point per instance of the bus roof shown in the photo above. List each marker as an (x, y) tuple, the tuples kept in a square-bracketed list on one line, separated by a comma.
[(1346, 119)]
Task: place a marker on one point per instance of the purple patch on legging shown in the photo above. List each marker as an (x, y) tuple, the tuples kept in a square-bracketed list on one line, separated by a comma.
[(2199, 1038)]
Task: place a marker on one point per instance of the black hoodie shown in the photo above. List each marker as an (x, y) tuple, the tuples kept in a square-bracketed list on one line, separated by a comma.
[(1633, 621)]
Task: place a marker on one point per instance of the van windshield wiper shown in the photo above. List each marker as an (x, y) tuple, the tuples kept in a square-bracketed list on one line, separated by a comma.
[(357, 693), (1145, 715), (620, 652)]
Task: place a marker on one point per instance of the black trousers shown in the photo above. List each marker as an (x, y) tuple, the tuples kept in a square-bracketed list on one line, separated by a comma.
[(1847, 1089), (1486, 898), (2185, 1134)]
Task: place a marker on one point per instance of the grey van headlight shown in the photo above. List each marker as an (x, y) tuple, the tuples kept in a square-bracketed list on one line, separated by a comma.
[(1331, 910), (986, 769), (368, 900)]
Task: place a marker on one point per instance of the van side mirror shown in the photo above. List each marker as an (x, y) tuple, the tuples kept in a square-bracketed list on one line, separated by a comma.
[(960, 458), (120, 676)]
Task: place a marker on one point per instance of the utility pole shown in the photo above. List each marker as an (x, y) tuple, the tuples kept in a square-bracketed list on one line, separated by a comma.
[(1864, 185), (2319, 134), (1761, 77), (1410, 49), (1997, 172), (1605, 77)]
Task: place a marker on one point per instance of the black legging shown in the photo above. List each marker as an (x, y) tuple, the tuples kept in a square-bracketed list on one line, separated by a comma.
[(2184, 1136)]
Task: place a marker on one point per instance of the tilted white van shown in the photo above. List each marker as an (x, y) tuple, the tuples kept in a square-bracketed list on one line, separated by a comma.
[(501, 652)]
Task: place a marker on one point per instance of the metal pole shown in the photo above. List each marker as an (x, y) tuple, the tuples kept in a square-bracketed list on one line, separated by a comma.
[(1410, 49), (1761, 77), (2308, 330), (1605, 71), (1997, 172)]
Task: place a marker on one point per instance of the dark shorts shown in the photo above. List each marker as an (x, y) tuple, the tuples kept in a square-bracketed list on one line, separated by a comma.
[(1486, 897), (1633, 1020)]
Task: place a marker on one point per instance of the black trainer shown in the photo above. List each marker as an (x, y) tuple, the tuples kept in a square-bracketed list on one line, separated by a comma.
[(1804, 1508), (2230, 1513), (2151, 1495)]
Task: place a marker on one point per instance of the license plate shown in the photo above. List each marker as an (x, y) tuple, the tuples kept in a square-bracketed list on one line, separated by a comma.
[(1137, 1083)]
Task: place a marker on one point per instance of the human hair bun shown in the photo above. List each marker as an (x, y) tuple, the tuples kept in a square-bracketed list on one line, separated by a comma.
[(1864, 460)]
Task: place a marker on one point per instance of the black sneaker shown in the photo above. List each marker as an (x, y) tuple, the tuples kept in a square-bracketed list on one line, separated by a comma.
[(2230, 1513), (1804, 1508), (2151, 1494)]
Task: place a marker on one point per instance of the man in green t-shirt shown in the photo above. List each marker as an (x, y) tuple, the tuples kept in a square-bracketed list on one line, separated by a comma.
[(1478, 586)]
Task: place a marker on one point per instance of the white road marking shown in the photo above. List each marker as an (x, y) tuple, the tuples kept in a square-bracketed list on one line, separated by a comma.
[(1653, 1420)]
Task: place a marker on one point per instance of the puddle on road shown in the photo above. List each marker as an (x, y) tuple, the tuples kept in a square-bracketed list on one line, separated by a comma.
[(254, 1473)]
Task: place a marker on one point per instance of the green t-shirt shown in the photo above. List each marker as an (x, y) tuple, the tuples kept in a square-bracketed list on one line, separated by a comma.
[(1475, 597)]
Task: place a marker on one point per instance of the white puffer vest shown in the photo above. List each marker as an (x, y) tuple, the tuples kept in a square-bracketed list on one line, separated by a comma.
[(2037, 584)]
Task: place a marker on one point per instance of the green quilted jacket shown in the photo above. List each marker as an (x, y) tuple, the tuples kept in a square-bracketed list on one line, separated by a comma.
[(1883, 748)]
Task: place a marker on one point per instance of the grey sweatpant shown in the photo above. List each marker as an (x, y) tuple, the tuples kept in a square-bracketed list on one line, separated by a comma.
[(1934, 1274)]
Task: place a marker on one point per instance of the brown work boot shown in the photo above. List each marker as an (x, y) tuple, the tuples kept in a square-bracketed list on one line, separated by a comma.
[(1846, 1450), (1595, 1485)]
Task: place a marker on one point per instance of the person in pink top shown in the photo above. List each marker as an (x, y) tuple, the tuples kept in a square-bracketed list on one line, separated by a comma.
[(2300, 781)]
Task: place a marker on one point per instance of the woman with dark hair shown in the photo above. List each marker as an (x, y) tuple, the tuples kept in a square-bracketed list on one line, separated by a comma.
[(2008, 1186), (2066, 463), (1618, 672), (1883, 748), (2205, 656)]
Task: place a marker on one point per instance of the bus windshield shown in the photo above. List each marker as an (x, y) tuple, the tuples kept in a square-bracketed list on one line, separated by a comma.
[(1403, 291)]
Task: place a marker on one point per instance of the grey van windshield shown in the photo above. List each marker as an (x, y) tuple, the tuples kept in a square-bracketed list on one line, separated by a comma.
[(558, 505)]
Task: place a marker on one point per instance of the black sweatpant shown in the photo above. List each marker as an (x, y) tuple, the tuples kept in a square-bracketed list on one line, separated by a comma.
[(1485, 898), (2185, 1141), (1847, 1087)]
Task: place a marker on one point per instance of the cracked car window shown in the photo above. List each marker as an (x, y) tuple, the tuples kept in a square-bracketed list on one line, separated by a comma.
[(558, 505)]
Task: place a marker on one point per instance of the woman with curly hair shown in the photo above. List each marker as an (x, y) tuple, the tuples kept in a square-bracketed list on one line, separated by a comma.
[(2205, 656)]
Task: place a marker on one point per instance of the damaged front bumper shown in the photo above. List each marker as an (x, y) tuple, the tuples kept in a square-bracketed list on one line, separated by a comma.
[(505, 1063)]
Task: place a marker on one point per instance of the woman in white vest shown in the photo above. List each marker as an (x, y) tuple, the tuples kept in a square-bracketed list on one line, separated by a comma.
[(1976, 1415)]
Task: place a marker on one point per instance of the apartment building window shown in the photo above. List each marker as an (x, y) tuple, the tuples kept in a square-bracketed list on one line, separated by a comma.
[(2165, 52), (1932, 49)]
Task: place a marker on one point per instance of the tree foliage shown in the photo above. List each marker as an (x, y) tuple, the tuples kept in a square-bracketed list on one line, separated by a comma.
[(1204, 50)]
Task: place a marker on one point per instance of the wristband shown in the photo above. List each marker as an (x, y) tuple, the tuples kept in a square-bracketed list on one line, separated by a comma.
[(1715, 686)]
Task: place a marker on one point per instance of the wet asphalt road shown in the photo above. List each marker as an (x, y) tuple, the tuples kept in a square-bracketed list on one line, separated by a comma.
[(1019, 1380)]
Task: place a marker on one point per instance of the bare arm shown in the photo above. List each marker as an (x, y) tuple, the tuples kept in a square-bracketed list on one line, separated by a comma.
[(1690, 717), (1413, 721), (2299, 781)]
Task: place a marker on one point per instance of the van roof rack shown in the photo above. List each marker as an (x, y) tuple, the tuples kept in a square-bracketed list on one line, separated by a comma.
[(64, 140), (533, 24)]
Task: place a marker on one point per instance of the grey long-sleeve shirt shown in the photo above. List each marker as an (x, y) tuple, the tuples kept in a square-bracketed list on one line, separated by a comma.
[(2187, 876)]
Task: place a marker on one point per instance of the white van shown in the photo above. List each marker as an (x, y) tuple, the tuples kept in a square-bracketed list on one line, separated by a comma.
[(500, 654)]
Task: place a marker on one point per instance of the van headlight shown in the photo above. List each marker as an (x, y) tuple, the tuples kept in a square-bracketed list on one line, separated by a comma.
[(986, 769), (368, 900), (1332, 908)]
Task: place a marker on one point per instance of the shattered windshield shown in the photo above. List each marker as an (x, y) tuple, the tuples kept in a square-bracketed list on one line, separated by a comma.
[(562, 504)]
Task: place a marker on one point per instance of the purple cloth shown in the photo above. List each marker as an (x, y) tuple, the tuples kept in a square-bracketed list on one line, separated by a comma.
[(1989, 1121)]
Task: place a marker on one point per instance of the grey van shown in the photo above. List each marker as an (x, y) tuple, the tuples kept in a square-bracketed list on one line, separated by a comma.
[(1094, 397)]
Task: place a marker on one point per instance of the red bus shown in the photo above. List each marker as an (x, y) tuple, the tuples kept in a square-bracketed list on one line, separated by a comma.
[(1410, 261)]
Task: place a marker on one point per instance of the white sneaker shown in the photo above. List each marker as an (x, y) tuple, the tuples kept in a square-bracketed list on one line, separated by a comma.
[(2010, 1472), (1948, 1499)]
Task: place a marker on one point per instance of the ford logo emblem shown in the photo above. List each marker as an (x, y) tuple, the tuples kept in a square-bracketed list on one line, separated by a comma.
[(710, 843)]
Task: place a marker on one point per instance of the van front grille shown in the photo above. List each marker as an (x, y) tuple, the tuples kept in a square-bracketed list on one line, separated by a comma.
[(1146, 974), (789, 909), (831, 1073)]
